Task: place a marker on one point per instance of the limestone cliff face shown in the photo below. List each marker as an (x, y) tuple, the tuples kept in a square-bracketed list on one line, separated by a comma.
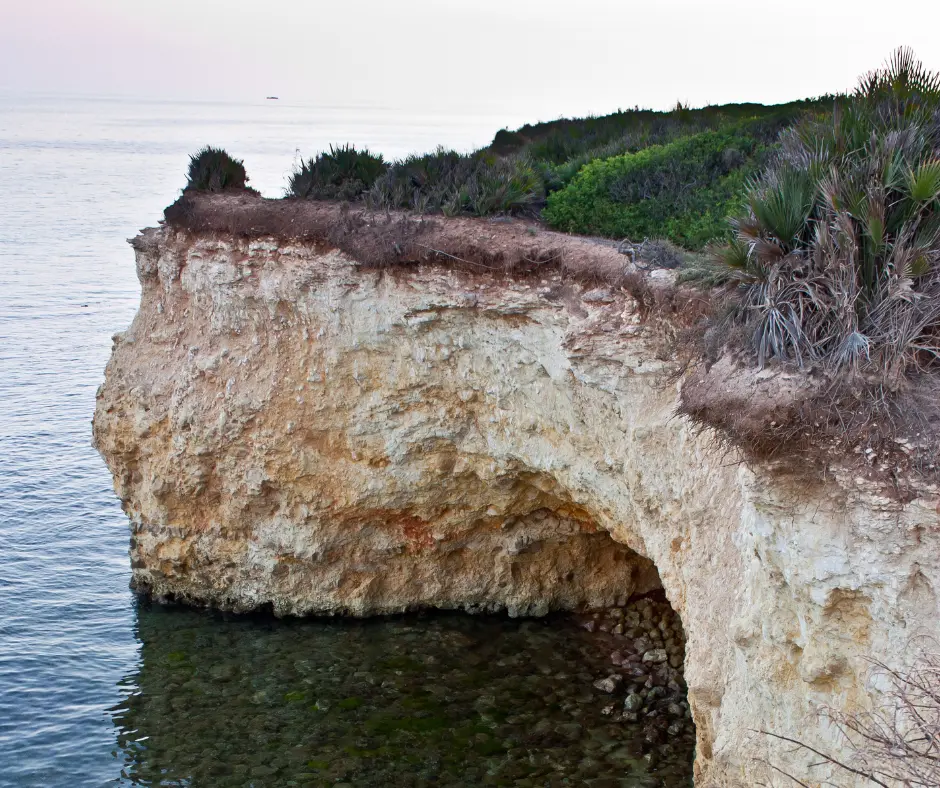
[(288, 428)]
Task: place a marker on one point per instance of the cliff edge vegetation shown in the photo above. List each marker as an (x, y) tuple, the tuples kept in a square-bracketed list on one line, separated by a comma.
[(637, 173), (834, 270)]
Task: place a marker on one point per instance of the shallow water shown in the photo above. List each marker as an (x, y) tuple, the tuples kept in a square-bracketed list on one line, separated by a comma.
[(443, 700), (95, 690)]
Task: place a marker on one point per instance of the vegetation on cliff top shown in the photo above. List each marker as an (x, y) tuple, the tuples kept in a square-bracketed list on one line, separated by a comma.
[(692, 161), (834, 268), (478, 184), (686, 156), (683, 191), (343, 173), (837, 245), (213, 170)]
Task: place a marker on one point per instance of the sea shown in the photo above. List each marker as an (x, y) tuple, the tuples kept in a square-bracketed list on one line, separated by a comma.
[(98, 688)]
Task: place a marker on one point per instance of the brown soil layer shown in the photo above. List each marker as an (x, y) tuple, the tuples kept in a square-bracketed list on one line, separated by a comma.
[(498, 245), (806, 422)]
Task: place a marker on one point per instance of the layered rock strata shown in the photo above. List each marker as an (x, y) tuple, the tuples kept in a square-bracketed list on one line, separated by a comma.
[(288, 428)]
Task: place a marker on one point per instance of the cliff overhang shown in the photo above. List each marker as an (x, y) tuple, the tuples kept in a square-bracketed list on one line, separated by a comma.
[(476, 414)]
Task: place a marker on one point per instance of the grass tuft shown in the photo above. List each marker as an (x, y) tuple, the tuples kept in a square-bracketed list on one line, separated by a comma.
[(213, 170), (342, 173)]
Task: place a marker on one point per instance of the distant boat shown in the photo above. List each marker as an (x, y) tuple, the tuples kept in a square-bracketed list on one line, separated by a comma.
[(271, 98)]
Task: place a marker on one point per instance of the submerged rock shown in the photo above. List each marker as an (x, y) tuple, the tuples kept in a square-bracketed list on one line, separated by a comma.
[(609, 684), (634, 702)]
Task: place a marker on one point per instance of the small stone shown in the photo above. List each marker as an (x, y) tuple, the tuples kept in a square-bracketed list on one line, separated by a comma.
[(633, 702), (675, 729), (599, 295), (608, 710), (675, 661), (589, 626), (570, 730), (655, 655), (675, 710), (616, 657), (609, 684)]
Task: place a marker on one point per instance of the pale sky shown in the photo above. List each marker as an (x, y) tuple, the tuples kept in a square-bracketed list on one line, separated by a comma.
[(536, 58)]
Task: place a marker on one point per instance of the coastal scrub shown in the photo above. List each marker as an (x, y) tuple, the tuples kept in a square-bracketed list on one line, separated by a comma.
[(213, 170), (683, 191)]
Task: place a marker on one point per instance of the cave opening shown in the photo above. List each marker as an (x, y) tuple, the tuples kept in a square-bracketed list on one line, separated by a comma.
[(634, 641)]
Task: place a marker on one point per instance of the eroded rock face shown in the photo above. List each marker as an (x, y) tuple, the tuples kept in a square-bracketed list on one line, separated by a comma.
[(286, 428)]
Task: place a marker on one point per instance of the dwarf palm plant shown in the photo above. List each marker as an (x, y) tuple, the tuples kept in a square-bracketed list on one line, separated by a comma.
[(838, 250), (344, 172), (454, 183), (213, 170)]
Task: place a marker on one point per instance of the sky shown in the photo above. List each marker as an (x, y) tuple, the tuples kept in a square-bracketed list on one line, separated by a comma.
[(540, 59)]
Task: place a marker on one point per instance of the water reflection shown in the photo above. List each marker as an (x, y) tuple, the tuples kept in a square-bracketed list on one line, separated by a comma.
[(442, 700)]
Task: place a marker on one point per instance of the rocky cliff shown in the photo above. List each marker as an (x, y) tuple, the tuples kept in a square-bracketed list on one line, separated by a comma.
[(288, 427)]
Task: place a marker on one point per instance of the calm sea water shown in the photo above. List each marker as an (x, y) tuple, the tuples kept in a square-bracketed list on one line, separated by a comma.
[(77, 178), (95, 689)]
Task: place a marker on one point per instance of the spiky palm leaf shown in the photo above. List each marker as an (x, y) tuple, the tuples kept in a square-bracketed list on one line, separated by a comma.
[(844, 229), (782, 204), (923, 182)]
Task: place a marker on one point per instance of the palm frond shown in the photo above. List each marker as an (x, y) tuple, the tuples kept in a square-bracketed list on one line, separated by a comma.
[(923, 181), (843, 228)]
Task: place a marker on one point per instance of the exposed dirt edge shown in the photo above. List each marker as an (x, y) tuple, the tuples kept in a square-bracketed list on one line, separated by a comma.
[(499, 246), (805, 424)]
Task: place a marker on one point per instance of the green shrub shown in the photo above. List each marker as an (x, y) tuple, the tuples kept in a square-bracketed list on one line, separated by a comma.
[(682, 191), (559, 148), (343, 173), (838, 249), (476, 184), (213, 170), (518, 169)]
